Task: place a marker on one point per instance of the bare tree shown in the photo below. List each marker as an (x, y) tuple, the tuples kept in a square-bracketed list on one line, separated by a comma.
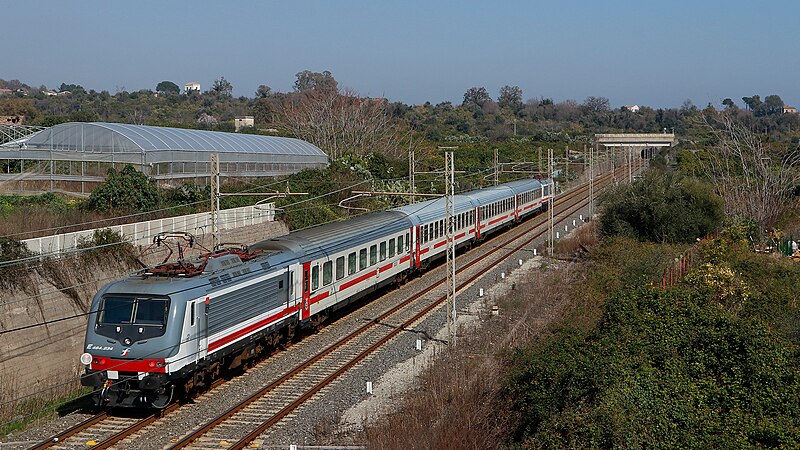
[(340, 122), (755, 179)]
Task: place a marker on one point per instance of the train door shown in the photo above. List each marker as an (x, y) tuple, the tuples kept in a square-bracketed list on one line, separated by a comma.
[(201, 311), (516, 207), (478, 222), (416, 255), (306, 289), (195, 338)]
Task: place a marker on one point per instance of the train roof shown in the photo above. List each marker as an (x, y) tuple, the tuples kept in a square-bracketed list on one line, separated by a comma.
[(525, 185), (429, 210), (337, 236)]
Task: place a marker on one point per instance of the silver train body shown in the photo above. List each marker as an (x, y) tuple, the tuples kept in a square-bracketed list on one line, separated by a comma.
[(149, 333)]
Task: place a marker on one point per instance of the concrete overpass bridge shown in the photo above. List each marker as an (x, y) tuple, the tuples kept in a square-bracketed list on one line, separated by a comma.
[(636, 140)]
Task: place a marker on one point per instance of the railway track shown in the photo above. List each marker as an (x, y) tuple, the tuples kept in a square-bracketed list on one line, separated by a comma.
[(279, 399)]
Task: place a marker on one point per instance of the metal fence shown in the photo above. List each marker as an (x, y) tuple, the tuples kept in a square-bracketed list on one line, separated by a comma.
[(141, 233)]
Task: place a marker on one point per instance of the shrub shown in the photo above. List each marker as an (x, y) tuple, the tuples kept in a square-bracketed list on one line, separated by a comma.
[(127, 190), (661, 207), (662, 369)]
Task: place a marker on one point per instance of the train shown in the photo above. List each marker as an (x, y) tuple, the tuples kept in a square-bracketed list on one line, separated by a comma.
[(175, 327)]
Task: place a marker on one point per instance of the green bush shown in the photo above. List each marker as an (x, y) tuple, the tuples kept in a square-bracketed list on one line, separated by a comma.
[(662, 369), (661, 207), (126, 190)]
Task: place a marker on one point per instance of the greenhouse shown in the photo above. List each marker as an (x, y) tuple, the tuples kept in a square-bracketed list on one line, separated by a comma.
[(75, 157)]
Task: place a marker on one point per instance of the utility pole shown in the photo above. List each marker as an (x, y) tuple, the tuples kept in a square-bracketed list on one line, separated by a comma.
[(412, 167), (614, 165), (496, 167), (550, 218), (630, 164), (215, 235), (590, 160), (451, 245)]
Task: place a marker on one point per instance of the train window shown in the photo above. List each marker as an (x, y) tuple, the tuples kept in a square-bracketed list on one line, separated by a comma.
[(151, 311), (391, 247), (408, 242), (442, 229), (139, 311), (425, 233), (362, 259), (192, 306), (327, 273), (117, 310), (383, 251), (351, 263), (340, 267), (373, 255), (399, 244), (315, 278), (435, 230)]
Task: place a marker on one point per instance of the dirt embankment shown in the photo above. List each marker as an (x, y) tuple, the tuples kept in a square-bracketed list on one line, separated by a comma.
[(43, 309)]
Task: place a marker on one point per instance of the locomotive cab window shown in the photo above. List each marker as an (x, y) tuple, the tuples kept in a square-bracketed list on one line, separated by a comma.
[(135, 311), (138, 317)]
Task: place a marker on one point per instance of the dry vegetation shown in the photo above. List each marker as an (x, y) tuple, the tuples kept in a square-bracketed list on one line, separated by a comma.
[(459, 402)]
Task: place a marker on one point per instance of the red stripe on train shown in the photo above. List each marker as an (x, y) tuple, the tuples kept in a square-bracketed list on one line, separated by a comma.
[(122, 365), (249, 329), (319, 297), (357, 280)]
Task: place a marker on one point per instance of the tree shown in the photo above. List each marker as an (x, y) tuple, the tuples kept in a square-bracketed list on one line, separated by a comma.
[(476, 96), (661, 207), (71, 87), (596, 104), (127, 190), (168, 87), (340, 123), (773, 104), (728, 103), (752, 102), (222, 87), (263, 91), (756, 179), (510, 97), (308, 81)]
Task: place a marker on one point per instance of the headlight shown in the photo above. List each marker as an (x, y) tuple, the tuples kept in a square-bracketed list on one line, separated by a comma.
[(86, 359)]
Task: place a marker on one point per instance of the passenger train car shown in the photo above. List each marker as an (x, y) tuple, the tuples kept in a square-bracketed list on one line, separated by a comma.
[(182, 324)]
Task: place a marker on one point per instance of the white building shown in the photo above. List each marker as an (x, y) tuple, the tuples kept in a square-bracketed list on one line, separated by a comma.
[(243, 121), (632, 108), (192, 86)]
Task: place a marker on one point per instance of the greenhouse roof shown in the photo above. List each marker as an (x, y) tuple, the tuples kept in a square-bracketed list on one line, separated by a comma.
[(101, 137)]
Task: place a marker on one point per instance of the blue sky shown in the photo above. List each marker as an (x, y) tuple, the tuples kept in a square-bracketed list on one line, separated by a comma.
[(633, 52)]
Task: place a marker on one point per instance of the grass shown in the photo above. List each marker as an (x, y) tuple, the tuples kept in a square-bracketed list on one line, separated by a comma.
[(17, 415)]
